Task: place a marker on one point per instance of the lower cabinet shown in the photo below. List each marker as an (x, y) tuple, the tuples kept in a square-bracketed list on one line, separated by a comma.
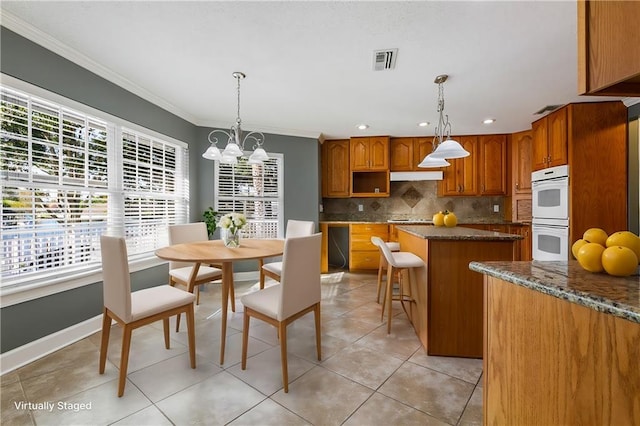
[(362, 253)]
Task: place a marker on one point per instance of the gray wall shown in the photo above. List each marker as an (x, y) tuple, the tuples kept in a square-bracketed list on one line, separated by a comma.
[(20, 58)]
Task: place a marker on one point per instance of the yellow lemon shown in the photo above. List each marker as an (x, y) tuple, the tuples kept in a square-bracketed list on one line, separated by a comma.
[(595, 235), (619, 261), (450, 220), (625, 239), (590, 257), (576, 246), (438, 219)]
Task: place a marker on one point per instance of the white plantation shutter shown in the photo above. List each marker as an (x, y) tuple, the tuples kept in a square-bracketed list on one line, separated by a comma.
[(155, 195), (256, 190), (66, 178)]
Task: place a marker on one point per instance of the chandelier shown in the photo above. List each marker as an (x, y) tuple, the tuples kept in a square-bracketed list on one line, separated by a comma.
[(443, 146), (235, 142)]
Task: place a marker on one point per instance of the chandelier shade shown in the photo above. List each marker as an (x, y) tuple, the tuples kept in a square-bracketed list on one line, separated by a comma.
[(235, 143), (443, 146)]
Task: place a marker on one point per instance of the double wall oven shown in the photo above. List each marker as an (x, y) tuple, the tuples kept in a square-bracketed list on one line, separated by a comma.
[(550, 210)]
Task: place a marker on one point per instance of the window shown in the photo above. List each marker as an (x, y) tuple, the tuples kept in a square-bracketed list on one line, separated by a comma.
[(255, 190), (68, 177)]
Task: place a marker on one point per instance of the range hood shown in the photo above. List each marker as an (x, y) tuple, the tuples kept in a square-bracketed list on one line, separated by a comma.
[(405, 176)]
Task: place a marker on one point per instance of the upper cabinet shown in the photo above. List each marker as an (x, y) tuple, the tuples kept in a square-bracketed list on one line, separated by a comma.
[(550, 140), (369, 160), (521, 145), (371, 153), (407, 153), (608, 53), (493, 166), (336, 176), (461, 177)]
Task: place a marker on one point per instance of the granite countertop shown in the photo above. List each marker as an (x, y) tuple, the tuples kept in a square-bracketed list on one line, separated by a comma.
[(457, 233), (421, 221), (619, 296)]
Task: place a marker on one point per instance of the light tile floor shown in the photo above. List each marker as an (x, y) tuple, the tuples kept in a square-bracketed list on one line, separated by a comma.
[(366, 377)]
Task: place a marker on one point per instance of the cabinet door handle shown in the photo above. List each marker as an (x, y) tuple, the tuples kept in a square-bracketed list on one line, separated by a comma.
[(517, 185)]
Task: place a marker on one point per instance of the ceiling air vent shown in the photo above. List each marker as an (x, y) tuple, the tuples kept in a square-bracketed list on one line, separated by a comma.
[(548, 108), (384, 59)]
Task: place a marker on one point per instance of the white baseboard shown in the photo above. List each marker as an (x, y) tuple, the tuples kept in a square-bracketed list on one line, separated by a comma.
[(35, 350)]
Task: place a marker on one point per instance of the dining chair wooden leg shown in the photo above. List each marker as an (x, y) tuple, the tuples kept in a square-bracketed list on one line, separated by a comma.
[(197, 295), (260, 265), (191, 332), (245, 338), (282, 329), (316, 314), (104, 344), (165, 328), (124, 358), (178, 322)]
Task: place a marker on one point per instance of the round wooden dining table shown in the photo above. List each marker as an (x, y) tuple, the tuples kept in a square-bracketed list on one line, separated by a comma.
[(215, 252)]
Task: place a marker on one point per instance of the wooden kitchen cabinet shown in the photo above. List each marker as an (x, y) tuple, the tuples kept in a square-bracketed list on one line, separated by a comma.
[(522, 248), (362, 253), (401, 154), (461, 177), (370, 153), (550, 140), (608, 55), (407, 153), (492, 167), (521, 146), (336, 176)]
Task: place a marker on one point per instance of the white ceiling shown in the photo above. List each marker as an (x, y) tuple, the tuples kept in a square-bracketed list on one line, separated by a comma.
[(309, 65)]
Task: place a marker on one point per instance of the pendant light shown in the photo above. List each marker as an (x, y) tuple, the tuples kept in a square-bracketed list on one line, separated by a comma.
[(444, 146), (235, 142)]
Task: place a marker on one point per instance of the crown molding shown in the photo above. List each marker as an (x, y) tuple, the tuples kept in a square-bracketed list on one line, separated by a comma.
[(43, 39)]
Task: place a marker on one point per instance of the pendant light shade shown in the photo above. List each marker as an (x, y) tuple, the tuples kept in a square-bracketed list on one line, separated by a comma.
[(431, 161), (232, 149), (450, 149)]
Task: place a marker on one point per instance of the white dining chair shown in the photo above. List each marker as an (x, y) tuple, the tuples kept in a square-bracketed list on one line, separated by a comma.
[(297, 294), (135, 309), (397, 262), (180, 272), (295, 228)]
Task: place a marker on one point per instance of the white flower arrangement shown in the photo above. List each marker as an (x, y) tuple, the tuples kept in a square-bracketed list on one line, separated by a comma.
[(232, 222)]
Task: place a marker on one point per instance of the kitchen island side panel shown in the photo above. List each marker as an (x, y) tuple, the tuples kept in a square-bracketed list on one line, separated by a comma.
[(549, 361), (448, 297)]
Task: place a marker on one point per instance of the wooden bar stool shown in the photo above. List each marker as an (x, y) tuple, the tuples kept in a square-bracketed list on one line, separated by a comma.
[(393, 246), (397, 262)]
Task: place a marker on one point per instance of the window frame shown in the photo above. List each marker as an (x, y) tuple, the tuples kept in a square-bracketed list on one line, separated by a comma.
[(279, 158), (33, 289)]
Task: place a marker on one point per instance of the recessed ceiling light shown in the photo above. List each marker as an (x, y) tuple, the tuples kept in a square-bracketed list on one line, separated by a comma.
[(489, 121), (423, 124), (362, 126)]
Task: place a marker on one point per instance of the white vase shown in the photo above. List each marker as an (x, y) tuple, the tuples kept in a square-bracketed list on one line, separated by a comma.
[(230, 238)]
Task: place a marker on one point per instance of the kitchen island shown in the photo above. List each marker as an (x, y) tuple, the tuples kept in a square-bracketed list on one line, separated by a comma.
[(562, 345), (446, 312)]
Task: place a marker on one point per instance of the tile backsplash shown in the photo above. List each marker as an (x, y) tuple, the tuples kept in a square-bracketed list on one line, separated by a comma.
[(413, 200)]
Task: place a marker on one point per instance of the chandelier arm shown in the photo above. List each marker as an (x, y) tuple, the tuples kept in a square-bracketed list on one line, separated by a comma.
[(258, 140), (215, 140)]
